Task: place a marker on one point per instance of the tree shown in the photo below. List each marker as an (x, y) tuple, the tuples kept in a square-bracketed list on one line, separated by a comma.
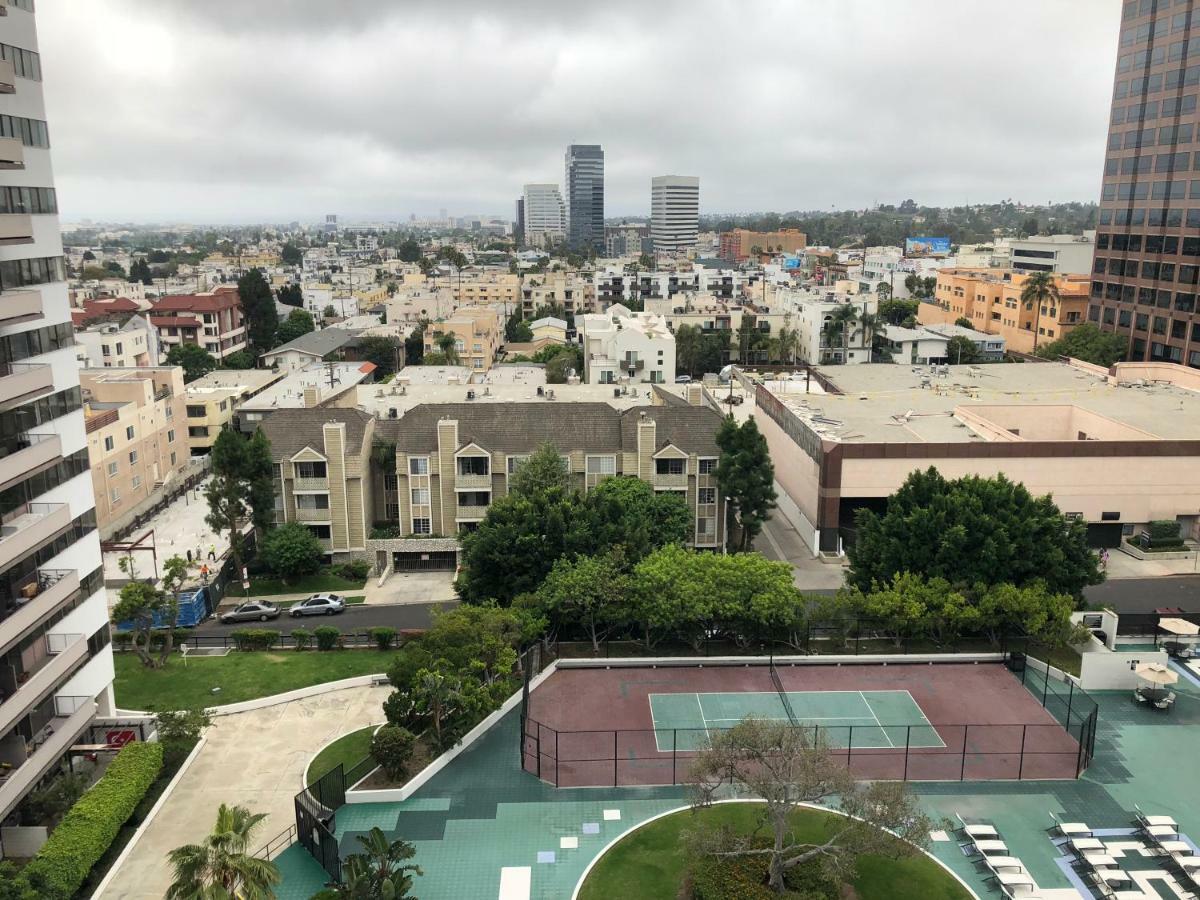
[(1088, 343), (687, 349), (242, 488), (971, 531), (329, 312), (409, 251), (291, 255), (447, 345), (414, 344), (298, 322), (559, 369), (379, 873), (1029, 227), (964, 322), (1039, 291), (144, 606), (195, 360), (434, 693), (291, 550), (646, 261), (589, 591), (884, 290), (791, 767), (258, 308), (139, 270), (435, 358), (392, 747), (88, 256), (242, 359), (746, 477), (839, 326), (628, 514), (178, 732), (95, 273), (383, 351), (221, 866), (962, 351), (516, 329), (290, 295)]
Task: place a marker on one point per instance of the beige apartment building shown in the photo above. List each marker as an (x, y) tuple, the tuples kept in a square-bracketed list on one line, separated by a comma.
[(137, 440), (487, 288), (575, 294), (478, 333), (213, 399)]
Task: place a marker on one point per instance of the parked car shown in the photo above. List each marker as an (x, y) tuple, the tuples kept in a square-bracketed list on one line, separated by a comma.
[(251, 611), (683, 379), (319, 605)]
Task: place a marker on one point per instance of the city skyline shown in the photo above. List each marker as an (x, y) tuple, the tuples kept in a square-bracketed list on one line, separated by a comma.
[(203, 121)]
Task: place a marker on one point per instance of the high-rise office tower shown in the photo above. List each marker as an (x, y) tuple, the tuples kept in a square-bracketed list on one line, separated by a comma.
[(519, 224), (545, 215), (584, 191), (674, 212), (56, 667), (1146, 269)]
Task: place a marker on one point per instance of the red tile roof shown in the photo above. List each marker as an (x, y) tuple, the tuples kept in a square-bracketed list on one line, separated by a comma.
[(101, 308), (224, 297), (173, 321)]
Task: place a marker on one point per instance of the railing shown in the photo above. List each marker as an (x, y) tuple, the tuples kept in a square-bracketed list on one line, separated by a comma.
[(61, 653), (21, 379), (163, 393), (471, 480), (100, 419), (310, 484), (353, 640), (30, 525), (470, 513), (671, 479), (72, 714), (34, 600), (304, 514), (277, 844)]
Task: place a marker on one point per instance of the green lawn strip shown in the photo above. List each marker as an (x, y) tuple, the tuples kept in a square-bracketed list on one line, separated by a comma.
[(1065, 658), (349, 750), (649, 864), (306, 584), (240, 676)]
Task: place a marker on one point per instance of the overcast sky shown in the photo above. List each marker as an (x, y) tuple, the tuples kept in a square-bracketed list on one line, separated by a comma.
[(273, 110)]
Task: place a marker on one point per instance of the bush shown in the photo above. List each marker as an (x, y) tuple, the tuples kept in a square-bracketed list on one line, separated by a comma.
[(327, 637), (122, 639), (302, 638), (1161, 534), (45, 805), (86, 831), (382, 531), (383, 637), (292, 550), (158, 635), (355, 570), (254, 638), (392, 747)]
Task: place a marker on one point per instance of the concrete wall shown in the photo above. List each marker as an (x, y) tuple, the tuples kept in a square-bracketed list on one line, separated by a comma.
[(1105, 670)]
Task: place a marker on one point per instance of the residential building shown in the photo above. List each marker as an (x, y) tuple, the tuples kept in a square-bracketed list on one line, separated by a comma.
[(411, 304), (674, 213), (625, 240), (813, 314), (133, 344), (990, 346), (486, 289), (105, 309), (914, 346), (549, 328), (991, 300), (136, 423), (545, 215), (616, 285), (327, 344), (212, 320), (320, 385), (1116, 449), (584, 189), (570, 290), (56, 667), (213, 399), (736, 245), (1062, 254), (478, 333), (621, 347)]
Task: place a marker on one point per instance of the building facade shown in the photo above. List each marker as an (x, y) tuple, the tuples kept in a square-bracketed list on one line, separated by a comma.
[(584, 188), (545, 221), (478, 334), (621, 347), (674, 213), (213, 320), (56, 667), (111, 346), (1147, 253), (736, 244), (1062, 254)]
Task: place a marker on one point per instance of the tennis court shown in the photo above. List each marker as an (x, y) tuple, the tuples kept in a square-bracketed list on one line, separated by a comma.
[(847, 719)]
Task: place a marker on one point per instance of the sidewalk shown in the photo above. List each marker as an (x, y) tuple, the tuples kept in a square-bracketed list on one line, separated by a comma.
[(1122, 565)]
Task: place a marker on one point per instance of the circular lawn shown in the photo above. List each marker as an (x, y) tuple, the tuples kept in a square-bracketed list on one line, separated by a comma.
[(650, 863)]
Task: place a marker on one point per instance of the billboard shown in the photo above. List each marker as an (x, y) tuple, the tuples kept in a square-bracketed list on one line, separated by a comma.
[(927, 246), (792, 262)]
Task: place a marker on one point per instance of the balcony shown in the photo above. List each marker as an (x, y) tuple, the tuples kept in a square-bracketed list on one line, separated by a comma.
[(671, 480), (471, 513), (8, 77), (29, 603), (16, 228), (26, 454), (20, 306), (310, 485), (12, 153), (24, 381), (313, 515), (471, 481), (30, 526), (42, 665), (632, 365), (68, 718)]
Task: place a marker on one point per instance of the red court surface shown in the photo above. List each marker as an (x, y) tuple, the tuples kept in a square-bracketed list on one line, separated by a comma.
[(593, 726)]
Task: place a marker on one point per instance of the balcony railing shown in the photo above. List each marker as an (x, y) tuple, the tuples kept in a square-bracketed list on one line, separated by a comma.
[(30, 526), (671, 479), (19, 306), (470, 513), (310, 485), (36, 599), (632, 365), (72, 717), (313, 515), (483, 482), (26, 454), (44, 664), (21, 381)]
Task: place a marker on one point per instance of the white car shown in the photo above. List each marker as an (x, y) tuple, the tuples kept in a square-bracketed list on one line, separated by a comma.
[(319, 605)]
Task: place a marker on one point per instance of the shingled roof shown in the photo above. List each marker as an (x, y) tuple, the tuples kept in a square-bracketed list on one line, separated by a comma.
[(291, 430)]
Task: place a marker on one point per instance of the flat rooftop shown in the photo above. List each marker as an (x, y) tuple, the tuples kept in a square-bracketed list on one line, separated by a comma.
[(232, 380), (331, 379), (886, 403), (380, 399)]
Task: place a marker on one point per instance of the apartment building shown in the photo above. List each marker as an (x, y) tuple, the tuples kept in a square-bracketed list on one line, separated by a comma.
[(545, 215), (136, 423), (736, 244), (133, 344), (486, 289), (674, 213), (213, 320), (213, 399), (812, 314), (1062, 254), (615, 285), (56, 668), (626, 240), (991, 300), (622, 347), (478, 333), (571, 291)]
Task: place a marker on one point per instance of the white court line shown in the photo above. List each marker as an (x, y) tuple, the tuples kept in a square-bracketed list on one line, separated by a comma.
[(877, 722), (703, 718), (920, 712)]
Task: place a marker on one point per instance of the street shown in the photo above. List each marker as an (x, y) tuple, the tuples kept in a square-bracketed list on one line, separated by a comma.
[(1143, 595), (355, 618)]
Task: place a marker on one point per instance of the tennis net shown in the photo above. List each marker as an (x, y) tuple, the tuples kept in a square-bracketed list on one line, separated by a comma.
[(787, 704)]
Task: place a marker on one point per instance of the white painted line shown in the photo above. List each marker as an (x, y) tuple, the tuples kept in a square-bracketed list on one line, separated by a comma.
[(568, 843), (612, 815), (515, 882), (876, 718)]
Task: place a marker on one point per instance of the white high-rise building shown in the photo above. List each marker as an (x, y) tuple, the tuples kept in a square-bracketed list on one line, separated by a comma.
[(56, 665), (545, 214), (674, 212)]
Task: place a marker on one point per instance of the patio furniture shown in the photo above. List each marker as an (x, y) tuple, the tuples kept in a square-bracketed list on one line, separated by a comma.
[(1099, 860), (1183, 848), (1185, 862), (1138, 696), (979, 830), (1160, 832), (1000, 864), (1071, 829), (1085, 845), (991, 847), (1014, 879), (1144, 820)]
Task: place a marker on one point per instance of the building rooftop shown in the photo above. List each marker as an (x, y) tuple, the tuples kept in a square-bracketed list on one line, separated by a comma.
[(316, 343), (381, 399), (998, 402), (233, 379), (330, 379)]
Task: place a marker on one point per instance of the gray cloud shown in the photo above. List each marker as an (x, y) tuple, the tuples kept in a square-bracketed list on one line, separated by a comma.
[(227, 110)]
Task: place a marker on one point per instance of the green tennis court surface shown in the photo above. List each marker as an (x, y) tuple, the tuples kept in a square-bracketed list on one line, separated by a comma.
[(854, 719)]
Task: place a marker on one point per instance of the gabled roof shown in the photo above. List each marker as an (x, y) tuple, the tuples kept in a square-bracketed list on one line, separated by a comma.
[(291, 430), (690, 428), (548, 321), (509, 427), (318, 344)]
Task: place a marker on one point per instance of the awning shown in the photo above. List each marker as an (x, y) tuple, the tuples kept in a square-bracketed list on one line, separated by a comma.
[(1178, 626)]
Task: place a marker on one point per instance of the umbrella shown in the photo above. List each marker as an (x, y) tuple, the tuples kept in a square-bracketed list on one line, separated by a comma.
[(1179, 626), (1156, 673)]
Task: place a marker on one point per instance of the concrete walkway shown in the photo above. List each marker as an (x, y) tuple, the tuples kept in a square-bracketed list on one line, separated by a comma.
[(256, 759), (1123, 565)]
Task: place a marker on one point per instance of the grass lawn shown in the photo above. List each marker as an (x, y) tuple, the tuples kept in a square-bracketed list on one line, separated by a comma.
[(649, 864), (349, 750), (240, 676), (307, 584), (1065, 658)]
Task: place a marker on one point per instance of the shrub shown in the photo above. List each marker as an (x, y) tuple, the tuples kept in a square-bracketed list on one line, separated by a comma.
[(355, 570), (1161, 534), (382, 531), (254, 638), (122, 639), (291, 550), (392, 747), (383, 637), (302, 638), (45, 805), (89, 827), (327, 637)]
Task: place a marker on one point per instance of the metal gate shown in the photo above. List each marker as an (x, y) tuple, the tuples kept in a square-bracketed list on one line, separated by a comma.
[(434, 561)]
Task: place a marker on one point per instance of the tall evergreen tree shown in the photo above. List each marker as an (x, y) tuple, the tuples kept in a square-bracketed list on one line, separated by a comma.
[(258, 307), (746, 477)]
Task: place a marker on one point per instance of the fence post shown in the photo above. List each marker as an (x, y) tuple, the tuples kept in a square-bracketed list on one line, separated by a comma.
[(1070, 701), (1045, 685), (674, 747), (556, 757), (962, 771), (539, 749), (907, 744), (615, 757), (849, 744), (1021, 761)]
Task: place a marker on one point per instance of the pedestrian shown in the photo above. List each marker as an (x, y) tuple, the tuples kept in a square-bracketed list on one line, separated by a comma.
[(212, 551), (1104, 560)]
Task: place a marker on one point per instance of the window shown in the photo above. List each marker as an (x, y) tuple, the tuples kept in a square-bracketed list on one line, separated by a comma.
[(420, 496), (312, 501), (514, 462), (133, 457), (112, 469), (705, 527), (31, 200), (108, 443), (172, 458), (197, 412), (706, 495), (137, 482), (114, 496), (389, 481), (26, 63), (422, 526), (170, 411), (171, 436), (708, 466), (31, 132), (669, 467), (602, 465), (418, 465), (474, 465), (310, 470)]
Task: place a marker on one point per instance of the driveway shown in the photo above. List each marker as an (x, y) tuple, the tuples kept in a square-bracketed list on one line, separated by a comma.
[(256, 759)]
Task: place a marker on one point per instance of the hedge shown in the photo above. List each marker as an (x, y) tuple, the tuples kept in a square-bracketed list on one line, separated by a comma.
[(62, 865)]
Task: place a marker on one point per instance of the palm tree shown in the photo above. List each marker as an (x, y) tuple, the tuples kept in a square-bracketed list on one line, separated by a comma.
[(789, 341), (448, 344), (1039, 288), (840, 324), (221, 867), (872, 324), (377, 873), (434, 693)]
